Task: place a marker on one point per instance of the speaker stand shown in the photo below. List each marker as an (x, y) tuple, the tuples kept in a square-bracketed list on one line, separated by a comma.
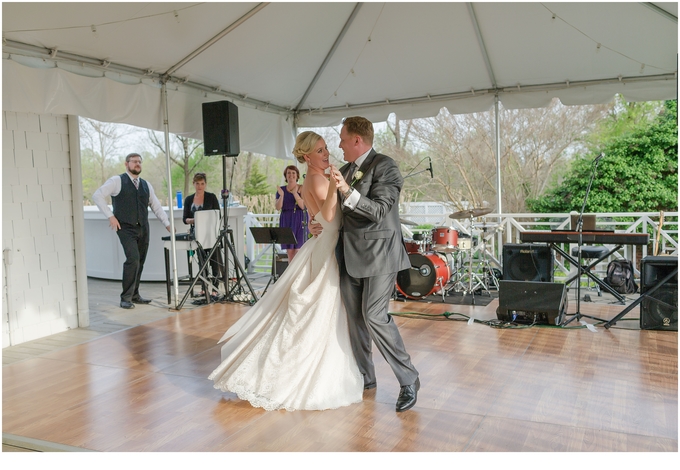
[(639, 300), (225, 243)]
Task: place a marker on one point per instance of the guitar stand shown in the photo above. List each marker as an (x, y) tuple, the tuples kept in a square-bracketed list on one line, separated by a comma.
[(273, 236)]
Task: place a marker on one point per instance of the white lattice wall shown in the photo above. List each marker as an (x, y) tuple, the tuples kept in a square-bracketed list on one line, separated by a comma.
[(39, 267)]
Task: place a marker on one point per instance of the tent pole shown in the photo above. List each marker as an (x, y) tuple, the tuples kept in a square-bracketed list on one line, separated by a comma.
[(499, 207), (173, 247), (498, 155)]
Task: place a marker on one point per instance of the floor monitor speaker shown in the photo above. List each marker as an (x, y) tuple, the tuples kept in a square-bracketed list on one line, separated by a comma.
[(659, 311), (530, 302), (220, 128), (527, 262)]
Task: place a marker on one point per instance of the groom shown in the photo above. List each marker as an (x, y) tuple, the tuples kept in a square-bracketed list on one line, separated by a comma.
[(370, 253)]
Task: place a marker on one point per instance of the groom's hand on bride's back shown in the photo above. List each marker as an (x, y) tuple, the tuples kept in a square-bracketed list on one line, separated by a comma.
[(315, 228)]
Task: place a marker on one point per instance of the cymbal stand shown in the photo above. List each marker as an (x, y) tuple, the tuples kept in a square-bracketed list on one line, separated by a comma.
[(479, 282), (486, 266), (456, 278)]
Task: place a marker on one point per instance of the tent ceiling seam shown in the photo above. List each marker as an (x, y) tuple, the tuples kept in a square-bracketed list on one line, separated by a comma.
[(216, 38), (482, 46), (661, 11), (330, 54)]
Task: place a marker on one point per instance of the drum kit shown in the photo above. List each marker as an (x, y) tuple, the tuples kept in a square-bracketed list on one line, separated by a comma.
[(442, 261)]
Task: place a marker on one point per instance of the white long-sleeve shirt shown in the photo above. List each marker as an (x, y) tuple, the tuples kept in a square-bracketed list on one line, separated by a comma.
[(354, 197), (112, 188)]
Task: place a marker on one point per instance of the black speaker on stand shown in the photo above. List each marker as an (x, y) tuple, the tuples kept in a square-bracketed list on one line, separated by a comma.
[(528, 262), (659, 310), (220, 128), (220, 137)]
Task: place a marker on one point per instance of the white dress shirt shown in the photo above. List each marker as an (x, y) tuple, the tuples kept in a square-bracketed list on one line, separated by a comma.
[(353, 199), (112, 187)]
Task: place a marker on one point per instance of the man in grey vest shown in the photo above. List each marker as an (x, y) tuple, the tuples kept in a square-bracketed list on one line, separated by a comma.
[(370, 253), (131, 196)]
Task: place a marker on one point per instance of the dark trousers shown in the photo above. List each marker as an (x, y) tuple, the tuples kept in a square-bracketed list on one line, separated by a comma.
[(215, 265), (367, 303), (135, 242)]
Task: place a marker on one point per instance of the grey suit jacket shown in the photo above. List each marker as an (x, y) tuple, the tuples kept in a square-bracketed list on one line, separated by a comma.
[(370, 240)]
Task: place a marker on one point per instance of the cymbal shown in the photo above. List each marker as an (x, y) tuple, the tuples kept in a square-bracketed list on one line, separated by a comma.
[(407, 222), (461, 214), (480, 211), (471, 213)]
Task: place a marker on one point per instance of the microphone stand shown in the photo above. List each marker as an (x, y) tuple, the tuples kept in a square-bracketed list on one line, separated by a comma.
[(579, 228), (417, 173), (421, 171)]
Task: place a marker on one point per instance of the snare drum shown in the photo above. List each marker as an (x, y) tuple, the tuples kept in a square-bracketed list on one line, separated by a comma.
[(427, 272), (464, 242), (413, 246), (444, 239)]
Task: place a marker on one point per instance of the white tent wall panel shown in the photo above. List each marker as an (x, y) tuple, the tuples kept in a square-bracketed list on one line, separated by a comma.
[(53, 90), (39, 282)]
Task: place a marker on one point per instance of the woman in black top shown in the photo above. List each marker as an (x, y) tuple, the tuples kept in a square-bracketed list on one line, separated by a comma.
[(202, 200)]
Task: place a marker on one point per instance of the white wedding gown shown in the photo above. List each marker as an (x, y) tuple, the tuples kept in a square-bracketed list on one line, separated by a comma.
[(292, 350)]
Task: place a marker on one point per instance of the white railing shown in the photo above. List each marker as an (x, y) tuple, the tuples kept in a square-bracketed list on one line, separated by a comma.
[(259, 255), (489, 233)]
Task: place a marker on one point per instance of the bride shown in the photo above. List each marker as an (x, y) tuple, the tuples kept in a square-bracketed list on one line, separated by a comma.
[(292, 349)]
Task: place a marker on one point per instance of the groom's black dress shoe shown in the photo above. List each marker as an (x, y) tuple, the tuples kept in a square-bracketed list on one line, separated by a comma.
[(408, 396), (126, 304), (370, 386), (140, 300)]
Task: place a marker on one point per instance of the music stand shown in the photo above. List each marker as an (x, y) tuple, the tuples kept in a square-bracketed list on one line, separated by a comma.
[(273, 236)]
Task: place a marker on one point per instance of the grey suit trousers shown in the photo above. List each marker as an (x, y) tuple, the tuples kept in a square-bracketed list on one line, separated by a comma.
[(367, 303)]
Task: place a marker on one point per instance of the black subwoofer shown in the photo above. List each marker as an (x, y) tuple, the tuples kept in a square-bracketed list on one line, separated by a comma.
[(528, 262), (220, 128), (659, 310), (530, 302)]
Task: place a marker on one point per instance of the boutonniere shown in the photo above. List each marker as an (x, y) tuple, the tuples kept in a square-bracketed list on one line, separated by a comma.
[(357, 176)]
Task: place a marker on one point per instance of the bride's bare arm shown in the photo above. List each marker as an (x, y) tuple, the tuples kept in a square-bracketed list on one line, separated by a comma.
[(322, 196), (328, 208)]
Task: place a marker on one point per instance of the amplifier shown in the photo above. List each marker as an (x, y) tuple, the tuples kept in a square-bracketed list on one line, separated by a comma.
[(532, 302)]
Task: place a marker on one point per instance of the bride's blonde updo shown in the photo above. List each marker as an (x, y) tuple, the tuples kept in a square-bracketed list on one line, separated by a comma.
[(304, 144)]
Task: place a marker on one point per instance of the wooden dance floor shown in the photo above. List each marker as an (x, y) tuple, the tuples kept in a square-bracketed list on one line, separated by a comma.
[(484, 389)]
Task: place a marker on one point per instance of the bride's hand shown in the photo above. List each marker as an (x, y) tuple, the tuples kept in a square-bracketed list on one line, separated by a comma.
[(337, 176), (315, 228), (340, 182)]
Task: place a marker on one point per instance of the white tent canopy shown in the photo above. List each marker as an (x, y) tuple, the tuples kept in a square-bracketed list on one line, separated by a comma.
[(289, 65)]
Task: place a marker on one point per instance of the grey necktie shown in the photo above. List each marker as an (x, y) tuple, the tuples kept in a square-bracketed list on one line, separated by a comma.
[(350, 173), (136, 182)]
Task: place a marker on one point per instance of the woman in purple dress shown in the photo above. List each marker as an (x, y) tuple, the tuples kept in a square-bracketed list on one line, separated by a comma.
[(293, 214)]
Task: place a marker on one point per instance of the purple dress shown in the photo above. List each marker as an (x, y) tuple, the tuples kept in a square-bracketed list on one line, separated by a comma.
[(294, 218)]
